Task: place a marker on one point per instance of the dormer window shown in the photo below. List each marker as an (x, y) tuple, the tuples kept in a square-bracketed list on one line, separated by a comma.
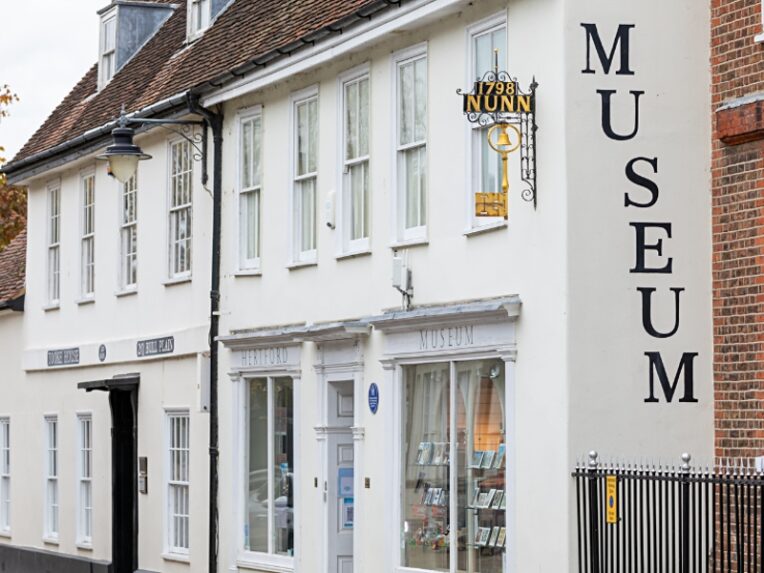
[(199, 18), (108, 63)]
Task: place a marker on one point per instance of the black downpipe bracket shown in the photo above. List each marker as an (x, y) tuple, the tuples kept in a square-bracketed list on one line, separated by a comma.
[(215, 123)]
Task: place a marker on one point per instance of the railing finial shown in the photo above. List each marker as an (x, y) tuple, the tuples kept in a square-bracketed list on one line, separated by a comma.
[(686, 462), (593, 460)]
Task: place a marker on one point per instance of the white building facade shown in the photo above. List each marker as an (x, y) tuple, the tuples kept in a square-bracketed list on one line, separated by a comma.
[(362, 429)]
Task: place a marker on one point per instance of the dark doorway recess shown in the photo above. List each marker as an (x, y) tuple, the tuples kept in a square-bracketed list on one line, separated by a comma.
[(123, 401)]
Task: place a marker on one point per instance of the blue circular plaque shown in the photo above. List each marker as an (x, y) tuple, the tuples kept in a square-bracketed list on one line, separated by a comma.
[(373, 398), (102, 352)]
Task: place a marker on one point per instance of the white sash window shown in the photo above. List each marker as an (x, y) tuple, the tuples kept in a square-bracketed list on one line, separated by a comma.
[(304, 186), (411, 143), (178, 484), (487, 40)]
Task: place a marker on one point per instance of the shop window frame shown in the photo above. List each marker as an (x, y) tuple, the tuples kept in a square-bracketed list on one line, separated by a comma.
[(255, 559), (397, 364)]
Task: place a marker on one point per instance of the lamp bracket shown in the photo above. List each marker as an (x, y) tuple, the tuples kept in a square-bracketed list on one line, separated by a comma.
[(185, 128)]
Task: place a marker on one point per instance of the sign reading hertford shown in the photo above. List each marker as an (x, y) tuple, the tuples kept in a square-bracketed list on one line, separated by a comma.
[(63, 357), (155, 346)]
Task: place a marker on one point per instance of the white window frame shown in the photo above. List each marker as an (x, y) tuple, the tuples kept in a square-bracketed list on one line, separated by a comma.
[(474, 184), (349, 246), (125, 229), (395, 448), (418, 234), (87, 236), (172, 210), (298, 256), (246, 264), (199, 17), (5, 476), (52, 465), (84, 479), (256, 559), (104, 76), (53, 250), (172, 549)]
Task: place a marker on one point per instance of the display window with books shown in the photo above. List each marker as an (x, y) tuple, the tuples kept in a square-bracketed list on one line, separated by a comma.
[(454, 486)]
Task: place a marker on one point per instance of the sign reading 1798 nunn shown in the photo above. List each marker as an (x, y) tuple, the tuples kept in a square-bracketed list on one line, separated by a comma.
[(502, 97)]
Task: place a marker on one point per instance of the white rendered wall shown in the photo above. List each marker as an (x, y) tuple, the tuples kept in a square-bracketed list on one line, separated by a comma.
[(156, 310), (527, 258), (607, 341), (608, 370)]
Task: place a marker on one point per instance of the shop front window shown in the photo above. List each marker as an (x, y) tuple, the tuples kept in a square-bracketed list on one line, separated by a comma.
[(269, 510), (454, 488)]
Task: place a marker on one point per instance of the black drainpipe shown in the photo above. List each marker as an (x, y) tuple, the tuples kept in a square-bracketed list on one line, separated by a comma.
[(215, 123)]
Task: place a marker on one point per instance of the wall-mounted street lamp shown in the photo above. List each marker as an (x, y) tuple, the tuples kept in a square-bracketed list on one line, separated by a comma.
[(123, 154)]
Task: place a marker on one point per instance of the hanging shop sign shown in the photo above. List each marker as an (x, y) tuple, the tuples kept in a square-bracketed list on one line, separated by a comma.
[(497, 102)]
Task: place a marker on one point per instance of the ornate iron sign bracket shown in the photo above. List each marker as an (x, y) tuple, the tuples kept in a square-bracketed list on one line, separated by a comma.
[(496, 100)]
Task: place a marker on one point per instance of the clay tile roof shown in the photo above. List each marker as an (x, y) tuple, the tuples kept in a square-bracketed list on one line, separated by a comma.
[(13, 269), (166, 66)]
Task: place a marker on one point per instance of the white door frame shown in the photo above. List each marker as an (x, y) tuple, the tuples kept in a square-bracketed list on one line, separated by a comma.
[(337, 361)]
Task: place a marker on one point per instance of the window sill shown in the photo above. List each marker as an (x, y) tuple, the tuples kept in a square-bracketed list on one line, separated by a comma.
[(50, 541), (353, 254), (84, 301), (485, 228), (177, 281), (126, 292), (248, 273), (84, 546), (759, 39), (176, 557), (5, 534), (301, 265), (51, 306), (268, 566), (420, 242)]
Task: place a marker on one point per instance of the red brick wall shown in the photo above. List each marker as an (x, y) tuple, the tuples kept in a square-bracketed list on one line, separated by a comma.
[(738, 228)]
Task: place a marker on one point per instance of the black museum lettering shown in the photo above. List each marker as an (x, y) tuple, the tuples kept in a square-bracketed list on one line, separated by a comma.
[(651, 238)]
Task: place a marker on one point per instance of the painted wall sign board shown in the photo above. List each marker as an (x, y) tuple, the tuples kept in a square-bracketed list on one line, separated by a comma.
[(155, 346), (63, 357)]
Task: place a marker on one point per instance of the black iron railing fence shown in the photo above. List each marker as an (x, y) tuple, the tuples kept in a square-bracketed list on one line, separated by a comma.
[(652, 519)]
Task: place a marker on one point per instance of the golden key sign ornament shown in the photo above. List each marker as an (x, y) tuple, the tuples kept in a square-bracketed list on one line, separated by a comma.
[(496, 204), (496, 102)]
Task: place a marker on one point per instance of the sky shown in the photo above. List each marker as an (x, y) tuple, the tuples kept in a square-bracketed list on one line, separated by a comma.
[(46, 46)]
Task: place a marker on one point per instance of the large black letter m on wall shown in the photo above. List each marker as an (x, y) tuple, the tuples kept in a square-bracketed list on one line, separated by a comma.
[(621, 40), (669, 389)]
